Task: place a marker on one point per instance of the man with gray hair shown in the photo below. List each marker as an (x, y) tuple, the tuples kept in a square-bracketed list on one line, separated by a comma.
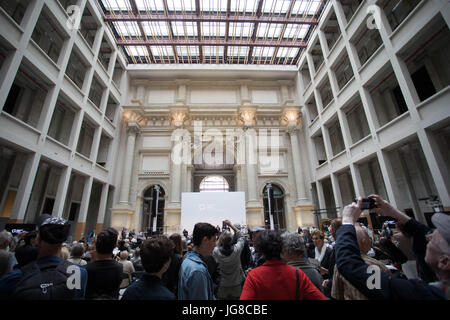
[(380, 285), (294, 254)]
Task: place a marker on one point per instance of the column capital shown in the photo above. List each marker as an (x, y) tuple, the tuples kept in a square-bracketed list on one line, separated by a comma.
[(291, 118), (247, 116), (179, 116), (135, 120)]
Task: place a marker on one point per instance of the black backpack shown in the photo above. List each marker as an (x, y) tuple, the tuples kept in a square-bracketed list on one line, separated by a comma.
[(46, 281)]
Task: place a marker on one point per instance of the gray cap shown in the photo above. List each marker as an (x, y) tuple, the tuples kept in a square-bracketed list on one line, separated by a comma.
[(257, 229), (442, 223)]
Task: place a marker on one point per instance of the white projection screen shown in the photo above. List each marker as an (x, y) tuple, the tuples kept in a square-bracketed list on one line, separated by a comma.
[(211, 207)]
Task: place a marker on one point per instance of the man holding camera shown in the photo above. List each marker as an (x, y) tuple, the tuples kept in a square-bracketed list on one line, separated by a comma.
[(376, 284)]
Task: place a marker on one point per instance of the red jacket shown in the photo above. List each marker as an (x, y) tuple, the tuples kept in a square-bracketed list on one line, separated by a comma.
[(275, 280)]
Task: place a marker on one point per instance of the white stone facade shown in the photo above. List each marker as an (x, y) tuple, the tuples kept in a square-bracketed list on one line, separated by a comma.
[(87, 139)]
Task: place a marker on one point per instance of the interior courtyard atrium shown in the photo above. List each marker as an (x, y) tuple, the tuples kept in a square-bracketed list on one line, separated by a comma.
[(351, 97)]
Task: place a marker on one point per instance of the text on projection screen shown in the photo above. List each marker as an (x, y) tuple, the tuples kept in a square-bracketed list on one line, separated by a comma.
[(211, 207)]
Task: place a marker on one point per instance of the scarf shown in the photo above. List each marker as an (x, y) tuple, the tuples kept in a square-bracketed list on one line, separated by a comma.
[(319, 255)]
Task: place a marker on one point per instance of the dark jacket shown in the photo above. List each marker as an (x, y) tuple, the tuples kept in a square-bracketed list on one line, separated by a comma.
[(328, 262), (310, 248), (170, 277), (354, 269), (27, 277), (104, 279), (214, 271), (257, 260), (148, 288), (246, 254), (311, 272)]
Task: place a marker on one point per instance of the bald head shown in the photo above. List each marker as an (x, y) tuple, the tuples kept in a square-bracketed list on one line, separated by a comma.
[(363, 238), (124, 255)]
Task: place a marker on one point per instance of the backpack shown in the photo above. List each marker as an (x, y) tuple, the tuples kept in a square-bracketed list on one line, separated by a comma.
[(46, 281)]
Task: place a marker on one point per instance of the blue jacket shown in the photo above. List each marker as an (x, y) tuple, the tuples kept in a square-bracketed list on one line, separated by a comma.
[(194, 282), (354, 269)]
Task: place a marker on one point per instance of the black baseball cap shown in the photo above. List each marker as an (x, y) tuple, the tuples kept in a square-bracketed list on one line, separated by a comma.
[(53, 230)]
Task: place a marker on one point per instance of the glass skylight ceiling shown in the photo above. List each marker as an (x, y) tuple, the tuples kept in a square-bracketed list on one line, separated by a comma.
[(212, 31)]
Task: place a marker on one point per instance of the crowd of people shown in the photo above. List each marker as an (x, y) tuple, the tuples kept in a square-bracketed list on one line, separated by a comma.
[(230, 264)]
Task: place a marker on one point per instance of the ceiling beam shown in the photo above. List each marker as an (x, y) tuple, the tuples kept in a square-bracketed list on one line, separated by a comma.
[(141, 29), (227, 31), (199, 29), (207, 17), (212, 42), (255, 28)]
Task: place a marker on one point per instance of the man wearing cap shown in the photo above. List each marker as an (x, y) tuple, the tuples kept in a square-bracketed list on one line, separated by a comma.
[(377, 284), (50, 277)]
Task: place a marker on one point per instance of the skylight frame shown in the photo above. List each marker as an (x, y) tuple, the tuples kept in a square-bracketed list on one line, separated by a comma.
[(246, 32)]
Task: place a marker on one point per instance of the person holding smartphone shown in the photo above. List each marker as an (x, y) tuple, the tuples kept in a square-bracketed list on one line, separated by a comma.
[(377, 284)]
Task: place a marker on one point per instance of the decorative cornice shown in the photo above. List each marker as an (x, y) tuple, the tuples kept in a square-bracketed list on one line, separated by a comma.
[(162, 174)]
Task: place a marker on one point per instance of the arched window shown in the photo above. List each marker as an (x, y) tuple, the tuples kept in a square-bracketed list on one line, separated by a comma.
[(214, 184), (276, 207), (153, 210)]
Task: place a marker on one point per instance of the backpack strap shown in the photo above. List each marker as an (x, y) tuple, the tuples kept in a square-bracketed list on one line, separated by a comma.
[(297, 287)]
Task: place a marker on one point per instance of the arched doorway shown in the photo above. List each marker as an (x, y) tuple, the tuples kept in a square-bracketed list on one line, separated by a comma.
[(214, 183), (276, 207), (153, 210)]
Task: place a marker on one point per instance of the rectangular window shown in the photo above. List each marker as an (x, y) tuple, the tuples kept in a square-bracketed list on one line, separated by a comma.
[(47, 36), (15, 9)]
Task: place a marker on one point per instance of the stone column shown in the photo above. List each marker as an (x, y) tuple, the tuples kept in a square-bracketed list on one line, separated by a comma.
[(175, 175), (25, 187), (61, 194), (81, 223), (298, 168), (238, 172), (132, 131), (250, 151), (122, 214), (189, 178), (180, 152), (102, 209), (292, 117), (247, 117)]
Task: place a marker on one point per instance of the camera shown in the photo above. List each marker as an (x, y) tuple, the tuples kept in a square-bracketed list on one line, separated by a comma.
[(224, 226), (367, 203)]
